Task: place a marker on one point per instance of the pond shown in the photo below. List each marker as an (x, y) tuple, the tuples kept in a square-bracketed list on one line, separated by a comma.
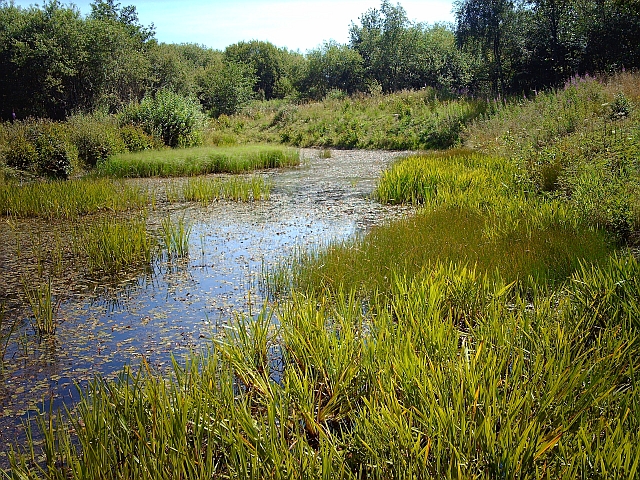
[(174, 307)]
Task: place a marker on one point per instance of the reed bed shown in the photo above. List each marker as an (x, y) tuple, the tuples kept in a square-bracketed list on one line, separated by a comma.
[(44, 307), (199, 161), (112, 244), (207, 190), (175, 236), (451, 374), (69, 199)]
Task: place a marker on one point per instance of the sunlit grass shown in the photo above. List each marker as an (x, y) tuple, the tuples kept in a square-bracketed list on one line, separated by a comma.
[(207, 190), (68, 199), (452, 374), (175, 236), (199, 161), (44, 307), (110, 245)]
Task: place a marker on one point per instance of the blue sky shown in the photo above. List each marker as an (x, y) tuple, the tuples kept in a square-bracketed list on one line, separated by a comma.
[(297, 25)]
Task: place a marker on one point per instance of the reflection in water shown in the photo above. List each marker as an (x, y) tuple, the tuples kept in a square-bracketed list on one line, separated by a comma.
[(175, 306)]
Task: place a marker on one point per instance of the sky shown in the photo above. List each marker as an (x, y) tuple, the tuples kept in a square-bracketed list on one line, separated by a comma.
[(299, 25)]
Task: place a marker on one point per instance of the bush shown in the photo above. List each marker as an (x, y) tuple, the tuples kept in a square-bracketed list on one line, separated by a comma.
[(42, 147), (96, 138), (177, 120), (136, 140)]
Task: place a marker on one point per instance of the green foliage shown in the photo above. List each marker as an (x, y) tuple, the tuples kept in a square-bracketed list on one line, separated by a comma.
[(581, 144), (175, 236), (408, 120), (199, 161), (68, 199), (136, 140), (398, 54), (332, 67), (177, 120), (96, 138), (225, 90), (451, 374), (111, 245), (268, 63), (205, 190), (41, 147), (55, 62)]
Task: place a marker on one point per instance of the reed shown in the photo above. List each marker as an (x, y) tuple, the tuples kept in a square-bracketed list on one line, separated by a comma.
[(206, 190), (44, 307), (68, 199), (175, 236), (450, 374), (199, 161), (6, 332), (110, 245)]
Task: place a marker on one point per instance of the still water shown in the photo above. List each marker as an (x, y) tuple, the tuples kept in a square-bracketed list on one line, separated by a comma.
[(174, 307)]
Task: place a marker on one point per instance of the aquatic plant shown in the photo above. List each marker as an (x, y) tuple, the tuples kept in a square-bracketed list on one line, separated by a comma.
[(207, 190), (111, 244), (6, 331), (175, 236), (68, 199), (450, 374), (44, 307), (199, 161)]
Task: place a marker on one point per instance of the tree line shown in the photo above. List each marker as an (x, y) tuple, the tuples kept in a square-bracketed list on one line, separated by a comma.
[(55, 62)]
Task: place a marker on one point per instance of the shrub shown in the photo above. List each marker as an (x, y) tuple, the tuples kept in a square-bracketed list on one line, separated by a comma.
[(177, 120), (136, 140), (96, 138), (21, 153), (42, 147)]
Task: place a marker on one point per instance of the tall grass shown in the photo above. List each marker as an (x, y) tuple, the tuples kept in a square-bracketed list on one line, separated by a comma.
[(68, 199), (475, 212), (450, 375), (44, 307), (6, 332), (205, 190), (400, 121), (175, 236), (199, 161), (580, 144), (112, 244)]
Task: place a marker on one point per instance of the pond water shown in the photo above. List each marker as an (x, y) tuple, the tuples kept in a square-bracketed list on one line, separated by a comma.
[(176, 306)]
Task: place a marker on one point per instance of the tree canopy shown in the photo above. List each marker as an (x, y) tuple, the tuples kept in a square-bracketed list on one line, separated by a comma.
[(55, 62)]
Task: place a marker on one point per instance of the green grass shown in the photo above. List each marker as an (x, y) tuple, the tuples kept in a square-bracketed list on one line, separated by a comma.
[(579, 144), (494, 334), (452, 375), (199, 161), (400, 121), (68, 199), (207, 190), (474, 212), (175, 236), (111, 245), (44, 307)]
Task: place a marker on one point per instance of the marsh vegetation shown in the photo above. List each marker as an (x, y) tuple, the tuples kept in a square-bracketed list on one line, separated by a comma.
[(489, 331), (183, 297)]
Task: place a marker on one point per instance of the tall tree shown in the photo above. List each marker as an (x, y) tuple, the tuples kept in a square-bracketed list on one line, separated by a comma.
[(332, 66), (384, 40), (486, 26), (267, 62)]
